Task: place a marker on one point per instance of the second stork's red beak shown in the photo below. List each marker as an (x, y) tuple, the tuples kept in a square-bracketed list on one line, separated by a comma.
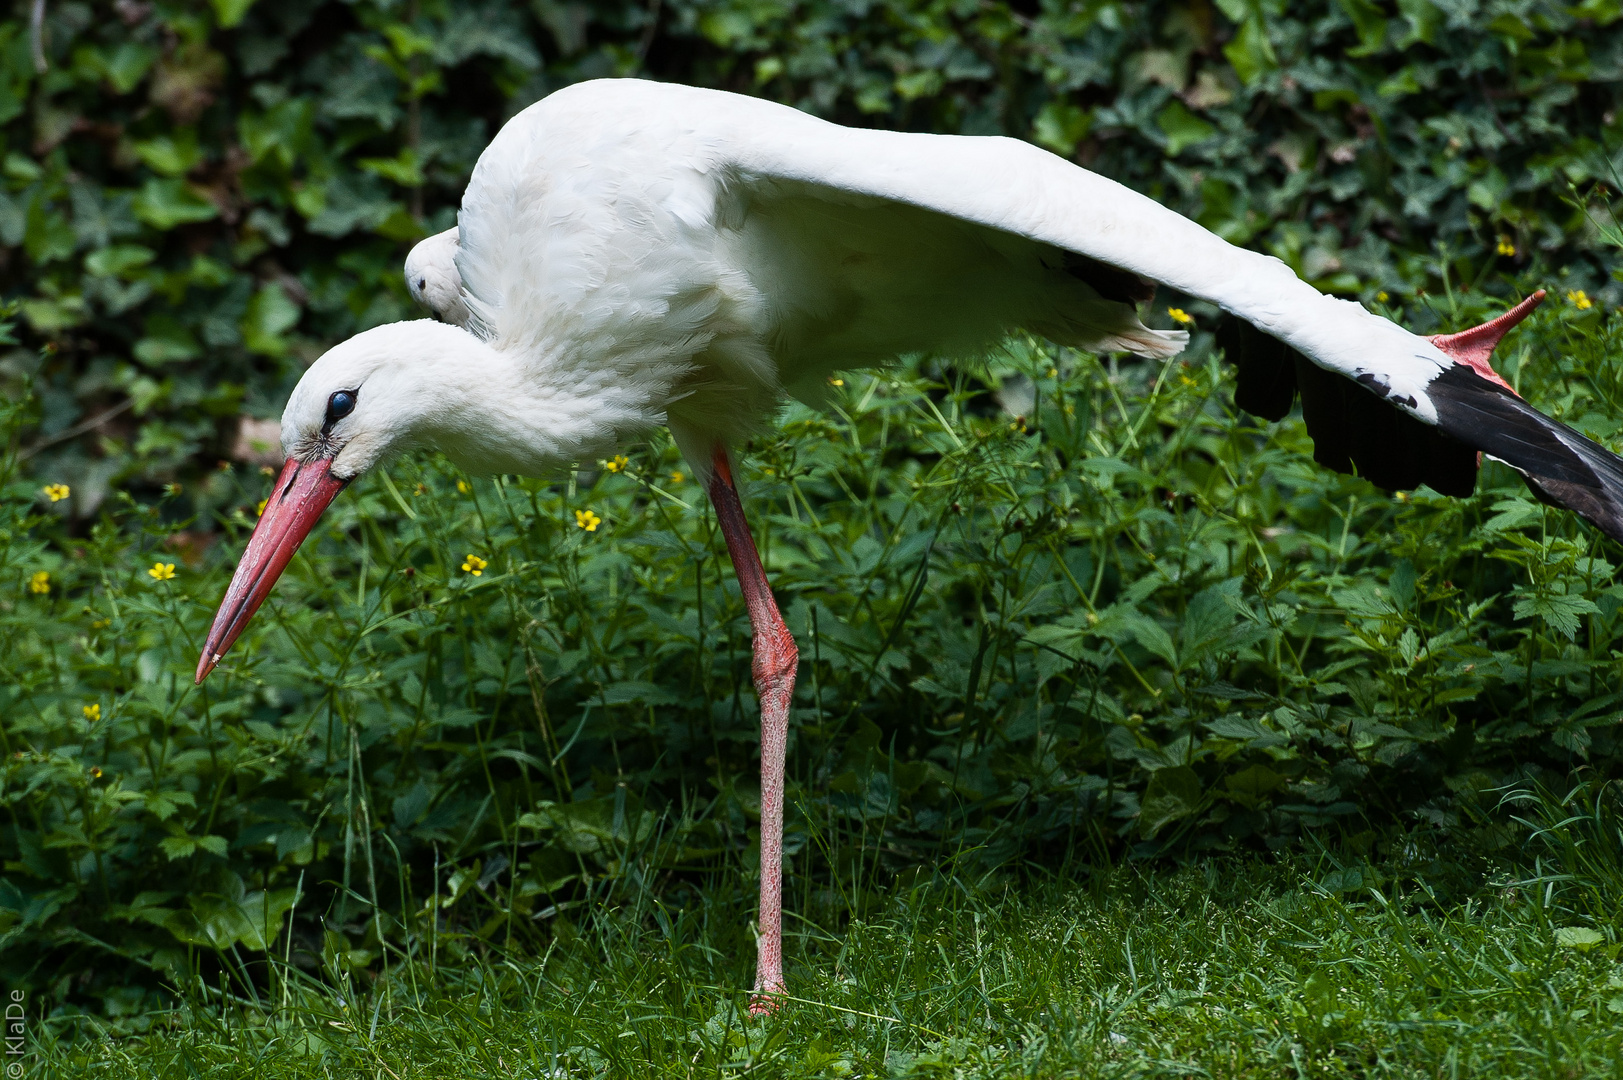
[(302, 492)]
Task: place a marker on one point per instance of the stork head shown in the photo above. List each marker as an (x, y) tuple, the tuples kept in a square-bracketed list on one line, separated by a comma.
[(433, 279), (382, 390)]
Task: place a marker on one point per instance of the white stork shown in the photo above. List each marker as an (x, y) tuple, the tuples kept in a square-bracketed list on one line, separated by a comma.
[(631, 255)]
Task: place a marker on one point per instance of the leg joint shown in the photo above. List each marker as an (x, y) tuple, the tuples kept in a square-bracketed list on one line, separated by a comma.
[(776, 657)]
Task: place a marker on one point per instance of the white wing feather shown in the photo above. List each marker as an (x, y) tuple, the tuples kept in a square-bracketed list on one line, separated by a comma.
[(600, 154)]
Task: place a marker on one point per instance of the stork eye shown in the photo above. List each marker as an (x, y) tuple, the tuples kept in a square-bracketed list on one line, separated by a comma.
[(340, 405), (422, 283)]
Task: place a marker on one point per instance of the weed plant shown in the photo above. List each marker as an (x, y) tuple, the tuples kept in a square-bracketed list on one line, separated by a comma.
[(1051, 607)]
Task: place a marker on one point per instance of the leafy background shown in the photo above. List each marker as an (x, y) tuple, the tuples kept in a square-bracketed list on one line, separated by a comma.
[(1047, 602)]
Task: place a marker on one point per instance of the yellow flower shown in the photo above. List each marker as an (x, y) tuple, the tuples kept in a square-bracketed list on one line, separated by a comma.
[(475, 565), (617, 463), (266, 470), (1381, 297), (422, 489), (161, 571), (95, 770), (463, 487), (92, 712), (56, 492), (677, 478), (1579, 299), (100, 624), (1505, 246), (1179, 315), (40, 583), (587, 520), (836, 382), (260, 509)]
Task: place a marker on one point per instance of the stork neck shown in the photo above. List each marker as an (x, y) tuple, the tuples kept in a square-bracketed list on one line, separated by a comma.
[(499, 410)]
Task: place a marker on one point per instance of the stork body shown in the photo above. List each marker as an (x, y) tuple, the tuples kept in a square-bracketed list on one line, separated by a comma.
[(630, 255)]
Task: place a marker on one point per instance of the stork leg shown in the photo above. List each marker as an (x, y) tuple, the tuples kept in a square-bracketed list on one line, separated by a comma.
[(773, 667)]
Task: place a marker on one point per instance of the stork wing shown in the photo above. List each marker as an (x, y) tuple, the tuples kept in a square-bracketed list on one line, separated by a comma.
[(1409, 414), (1373, 395)]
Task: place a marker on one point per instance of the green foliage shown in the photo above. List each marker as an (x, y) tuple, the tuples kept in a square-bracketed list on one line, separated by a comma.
[(1225, 968), (1048, 605), (1107, 617), (196, 200)]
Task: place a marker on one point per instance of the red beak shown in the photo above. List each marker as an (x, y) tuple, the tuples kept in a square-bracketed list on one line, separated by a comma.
[(302, 492)]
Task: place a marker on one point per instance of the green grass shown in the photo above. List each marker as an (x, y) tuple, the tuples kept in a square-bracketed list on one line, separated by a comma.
[(1430, 962)]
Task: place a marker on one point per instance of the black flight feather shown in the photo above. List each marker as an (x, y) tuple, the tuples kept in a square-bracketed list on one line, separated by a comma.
[(1562, 467), (1352, 427)]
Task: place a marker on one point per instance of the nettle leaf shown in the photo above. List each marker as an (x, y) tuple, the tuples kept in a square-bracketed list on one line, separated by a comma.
[(1152, 635), (177, 847), (1562, 612), (1172, 794), (1249, 786)]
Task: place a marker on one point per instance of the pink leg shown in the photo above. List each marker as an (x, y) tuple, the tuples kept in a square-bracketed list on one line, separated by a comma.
[(774, 663)]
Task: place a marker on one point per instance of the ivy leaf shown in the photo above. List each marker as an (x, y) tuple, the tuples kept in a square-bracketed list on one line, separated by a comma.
[(1182, 127), (1370, 24), (214, 845), (171, 155), (638, 690), (1251, 53), (127, 65), (1425, 18), (270, 314), (120, 260), (230, 12), (165, 203), (1060, 126)]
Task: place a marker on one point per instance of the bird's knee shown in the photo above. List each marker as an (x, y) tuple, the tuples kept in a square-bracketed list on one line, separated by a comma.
[(776, 659)]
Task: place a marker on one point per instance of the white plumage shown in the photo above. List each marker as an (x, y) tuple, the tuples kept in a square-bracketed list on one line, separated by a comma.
[(432, 278), (630, 255)]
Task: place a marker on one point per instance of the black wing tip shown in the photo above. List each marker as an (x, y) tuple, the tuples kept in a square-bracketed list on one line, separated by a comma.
[(1601, 506), (1561, 466)]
